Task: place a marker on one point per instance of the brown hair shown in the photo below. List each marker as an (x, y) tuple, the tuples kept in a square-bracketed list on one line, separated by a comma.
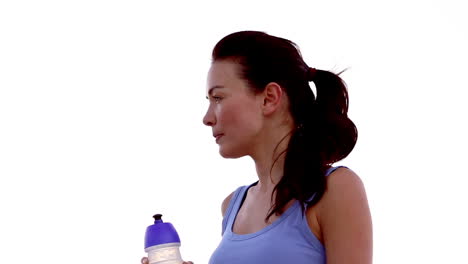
[(324, 133)]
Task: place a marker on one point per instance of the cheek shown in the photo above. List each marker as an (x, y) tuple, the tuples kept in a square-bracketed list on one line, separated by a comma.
[(238, 116), (228, 116)]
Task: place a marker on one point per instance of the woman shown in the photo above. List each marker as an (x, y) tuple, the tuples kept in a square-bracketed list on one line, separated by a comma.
[(301, 209)]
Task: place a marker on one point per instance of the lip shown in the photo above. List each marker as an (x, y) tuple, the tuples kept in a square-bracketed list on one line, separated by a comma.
[(218, 136)]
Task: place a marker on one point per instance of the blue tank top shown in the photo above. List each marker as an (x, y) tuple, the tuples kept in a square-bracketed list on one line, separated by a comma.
[(287, 240)]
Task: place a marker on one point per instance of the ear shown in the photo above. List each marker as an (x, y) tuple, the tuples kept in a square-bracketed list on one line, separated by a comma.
[(272, 96)]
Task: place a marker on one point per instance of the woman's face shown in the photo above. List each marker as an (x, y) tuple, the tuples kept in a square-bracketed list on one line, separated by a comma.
[(234, 112)]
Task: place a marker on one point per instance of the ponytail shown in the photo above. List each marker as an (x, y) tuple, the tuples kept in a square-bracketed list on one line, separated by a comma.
[(323, 136), (337, 133)]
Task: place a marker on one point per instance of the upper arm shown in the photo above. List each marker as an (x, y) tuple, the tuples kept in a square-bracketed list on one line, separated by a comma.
[(345, 221), (225, 203)]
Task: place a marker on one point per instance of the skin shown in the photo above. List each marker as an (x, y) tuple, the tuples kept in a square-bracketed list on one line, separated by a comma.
[(252, 125)]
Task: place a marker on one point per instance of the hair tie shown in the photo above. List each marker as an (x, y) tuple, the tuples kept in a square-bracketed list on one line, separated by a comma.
[(311, 74)]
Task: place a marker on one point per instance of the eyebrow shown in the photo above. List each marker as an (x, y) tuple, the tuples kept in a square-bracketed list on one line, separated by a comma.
[(210, 91)]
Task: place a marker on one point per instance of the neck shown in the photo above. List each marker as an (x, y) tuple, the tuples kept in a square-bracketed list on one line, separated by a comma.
[(269, 162)]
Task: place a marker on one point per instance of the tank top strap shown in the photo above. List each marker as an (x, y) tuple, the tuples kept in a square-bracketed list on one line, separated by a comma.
[(332, 169), (327, 173), (238, 197), (234, 205)]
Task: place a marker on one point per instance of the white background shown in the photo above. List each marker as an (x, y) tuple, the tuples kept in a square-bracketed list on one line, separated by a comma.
[(101, 104)]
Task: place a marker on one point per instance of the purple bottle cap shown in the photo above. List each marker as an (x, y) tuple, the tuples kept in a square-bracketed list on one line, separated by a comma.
[(160, 233)]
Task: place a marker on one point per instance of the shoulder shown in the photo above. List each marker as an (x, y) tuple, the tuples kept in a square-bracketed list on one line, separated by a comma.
[(225, 203), (344, 179), (345, 190), (344, 218), (227, 200)]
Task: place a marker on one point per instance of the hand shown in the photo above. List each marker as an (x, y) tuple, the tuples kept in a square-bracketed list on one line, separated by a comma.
[(145, 261)]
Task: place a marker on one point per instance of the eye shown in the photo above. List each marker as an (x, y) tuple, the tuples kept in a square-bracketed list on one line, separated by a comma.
[(217, 99)]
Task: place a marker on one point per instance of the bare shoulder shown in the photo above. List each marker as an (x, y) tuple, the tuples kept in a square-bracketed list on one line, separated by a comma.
[(344, 179), (345, 189), (344, 218), (225, 203)]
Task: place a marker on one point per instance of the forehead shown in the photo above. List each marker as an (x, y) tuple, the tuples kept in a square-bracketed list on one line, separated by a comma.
[(222, 71), (225, 73)]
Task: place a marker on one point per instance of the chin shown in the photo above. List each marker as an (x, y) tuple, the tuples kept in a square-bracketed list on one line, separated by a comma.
[(229, 154)]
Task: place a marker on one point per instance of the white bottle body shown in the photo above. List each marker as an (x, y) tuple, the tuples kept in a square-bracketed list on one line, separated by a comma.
[(164, 254)]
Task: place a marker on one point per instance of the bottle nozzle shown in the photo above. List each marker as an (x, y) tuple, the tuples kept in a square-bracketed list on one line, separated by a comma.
[(157, 218)]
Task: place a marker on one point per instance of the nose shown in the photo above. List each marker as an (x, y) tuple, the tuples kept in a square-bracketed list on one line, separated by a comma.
[(209, 118)]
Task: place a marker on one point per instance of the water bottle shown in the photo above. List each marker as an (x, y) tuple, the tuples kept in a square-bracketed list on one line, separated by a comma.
[(162, 243)]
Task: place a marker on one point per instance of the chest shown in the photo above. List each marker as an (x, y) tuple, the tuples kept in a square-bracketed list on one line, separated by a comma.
[(252, 214), (283, 239)]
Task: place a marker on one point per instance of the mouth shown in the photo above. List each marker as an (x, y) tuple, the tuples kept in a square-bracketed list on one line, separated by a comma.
[(218, 136)]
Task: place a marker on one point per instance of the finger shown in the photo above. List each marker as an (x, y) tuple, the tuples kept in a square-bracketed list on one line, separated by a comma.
[(144, 260), (187, 262)]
